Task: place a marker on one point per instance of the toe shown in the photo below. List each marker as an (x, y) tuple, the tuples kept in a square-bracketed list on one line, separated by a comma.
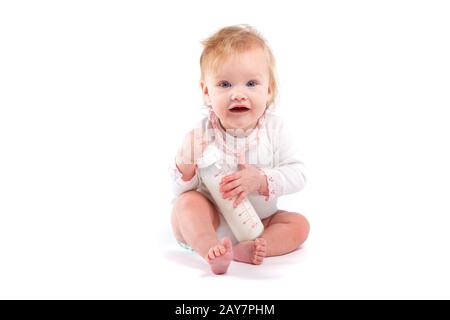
[(260, 242), (227, 244), (260, 253)]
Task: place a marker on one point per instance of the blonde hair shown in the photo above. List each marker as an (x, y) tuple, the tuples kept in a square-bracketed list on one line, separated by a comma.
[(232, 40)]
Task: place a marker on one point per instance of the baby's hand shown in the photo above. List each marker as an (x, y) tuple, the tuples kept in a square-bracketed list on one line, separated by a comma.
[(248, 179), (192, 148)]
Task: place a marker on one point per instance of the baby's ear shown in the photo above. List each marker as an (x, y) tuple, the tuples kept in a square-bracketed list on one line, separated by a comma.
[(204, 87), (270, 97), (205, 93)]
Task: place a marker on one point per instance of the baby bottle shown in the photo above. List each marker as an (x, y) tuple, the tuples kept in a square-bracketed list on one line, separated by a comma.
[(243, 220)]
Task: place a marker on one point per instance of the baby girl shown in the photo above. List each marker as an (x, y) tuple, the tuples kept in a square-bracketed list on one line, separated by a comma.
[(239, 88)]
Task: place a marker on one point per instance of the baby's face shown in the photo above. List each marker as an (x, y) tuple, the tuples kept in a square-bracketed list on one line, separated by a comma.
[(238, 90)]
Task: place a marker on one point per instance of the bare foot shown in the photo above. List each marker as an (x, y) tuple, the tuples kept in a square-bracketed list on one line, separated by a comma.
[(250, 251), (220, 256)]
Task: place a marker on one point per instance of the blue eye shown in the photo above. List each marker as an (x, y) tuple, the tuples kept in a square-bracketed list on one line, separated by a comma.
[(251, 83), (224, 84)]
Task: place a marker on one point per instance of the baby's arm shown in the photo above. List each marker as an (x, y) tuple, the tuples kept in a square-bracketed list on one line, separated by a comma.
[(185, 169), (288, 173)]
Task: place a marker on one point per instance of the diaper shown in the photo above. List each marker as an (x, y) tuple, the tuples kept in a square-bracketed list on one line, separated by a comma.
[(185, 246)]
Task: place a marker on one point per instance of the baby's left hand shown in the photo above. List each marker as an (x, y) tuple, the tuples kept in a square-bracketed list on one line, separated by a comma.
[(248, 179)]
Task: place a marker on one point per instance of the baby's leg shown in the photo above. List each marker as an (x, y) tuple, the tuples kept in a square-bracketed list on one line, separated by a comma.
[(194, 221), (284, 232)]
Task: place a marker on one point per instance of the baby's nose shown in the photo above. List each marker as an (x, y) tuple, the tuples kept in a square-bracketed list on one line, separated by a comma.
[(238, 96)]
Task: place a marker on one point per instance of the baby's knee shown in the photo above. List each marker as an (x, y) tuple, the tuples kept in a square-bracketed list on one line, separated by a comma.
[(189, 199), (302, 227), (193, 204)]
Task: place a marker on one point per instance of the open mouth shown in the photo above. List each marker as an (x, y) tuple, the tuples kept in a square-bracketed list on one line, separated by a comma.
[(239, 109)]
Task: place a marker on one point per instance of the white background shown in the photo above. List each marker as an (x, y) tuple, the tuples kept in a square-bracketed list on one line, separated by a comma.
[(95, 97)]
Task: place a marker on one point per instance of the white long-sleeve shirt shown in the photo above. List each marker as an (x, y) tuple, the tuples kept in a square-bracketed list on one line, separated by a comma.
[(275, 154)]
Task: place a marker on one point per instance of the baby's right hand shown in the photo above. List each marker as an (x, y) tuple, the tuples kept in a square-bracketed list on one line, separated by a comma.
[(192, 148)]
